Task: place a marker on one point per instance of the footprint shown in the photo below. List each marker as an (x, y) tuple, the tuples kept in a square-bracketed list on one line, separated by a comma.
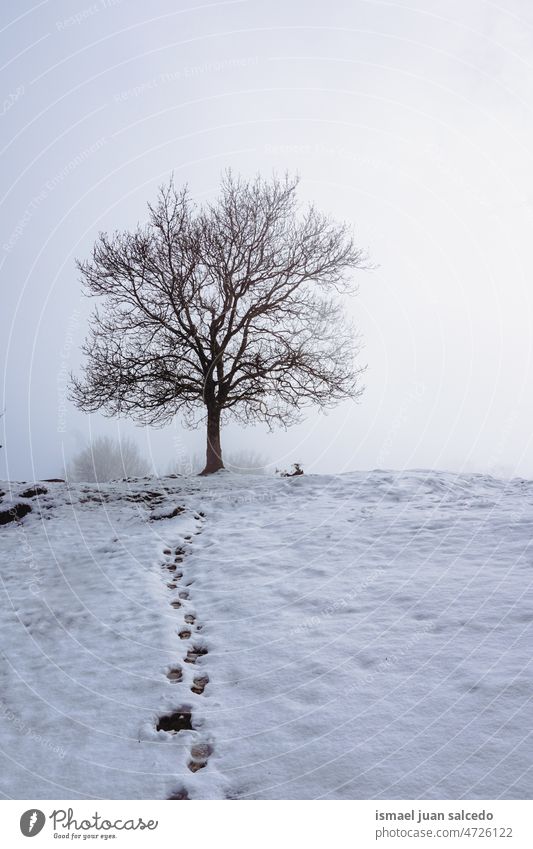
[(167, 551), (184, 635), (422, 615), (172, 586), (175, 674), (175, 604), (190, 618), (200, 753), (194, 766), (199, 684), (194, 653), (180, 720), (178, 795), (183, 594)]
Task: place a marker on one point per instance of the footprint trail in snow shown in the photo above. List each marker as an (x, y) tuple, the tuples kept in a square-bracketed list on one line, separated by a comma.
[(189, 630)]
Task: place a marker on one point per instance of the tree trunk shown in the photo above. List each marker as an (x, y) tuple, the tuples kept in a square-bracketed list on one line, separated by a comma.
[(214, 451)]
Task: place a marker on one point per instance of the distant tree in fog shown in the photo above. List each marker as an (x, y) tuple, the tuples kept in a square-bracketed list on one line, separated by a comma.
[(246, 462), (106, 459), (241, 462), (230, 310)]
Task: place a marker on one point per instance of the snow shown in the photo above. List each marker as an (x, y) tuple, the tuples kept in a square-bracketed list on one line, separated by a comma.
[(365, 635)]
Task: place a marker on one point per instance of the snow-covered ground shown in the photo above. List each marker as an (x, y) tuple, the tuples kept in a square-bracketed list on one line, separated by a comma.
[(363, 635)]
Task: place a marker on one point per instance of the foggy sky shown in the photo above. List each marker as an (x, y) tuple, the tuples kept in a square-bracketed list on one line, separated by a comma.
[(411, 119)]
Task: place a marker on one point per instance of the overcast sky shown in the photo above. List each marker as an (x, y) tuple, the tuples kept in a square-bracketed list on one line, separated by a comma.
[(411, 119)]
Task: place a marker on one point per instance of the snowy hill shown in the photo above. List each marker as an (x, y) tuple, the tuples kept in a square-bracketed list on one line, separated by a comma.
[(356, 636)]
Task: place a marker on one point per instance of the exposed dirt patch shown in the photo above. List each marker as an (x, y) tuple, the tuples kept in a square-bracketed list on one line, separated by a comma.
[(178, 721)]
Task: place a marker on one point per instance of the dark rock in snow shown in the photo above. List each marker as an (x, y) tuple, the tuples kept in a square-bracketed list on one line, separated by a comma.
[(167, 513), (33, 491), (13, 513)]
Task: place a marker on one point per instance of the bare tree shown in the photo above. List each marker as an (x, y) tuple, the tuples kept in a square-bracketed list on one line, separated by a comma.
[(106, 459), (227, 310)]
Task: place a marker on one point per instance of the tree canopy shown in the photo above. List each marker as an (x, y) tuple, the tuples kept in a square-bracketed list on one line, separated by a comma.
[(232, 309)]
